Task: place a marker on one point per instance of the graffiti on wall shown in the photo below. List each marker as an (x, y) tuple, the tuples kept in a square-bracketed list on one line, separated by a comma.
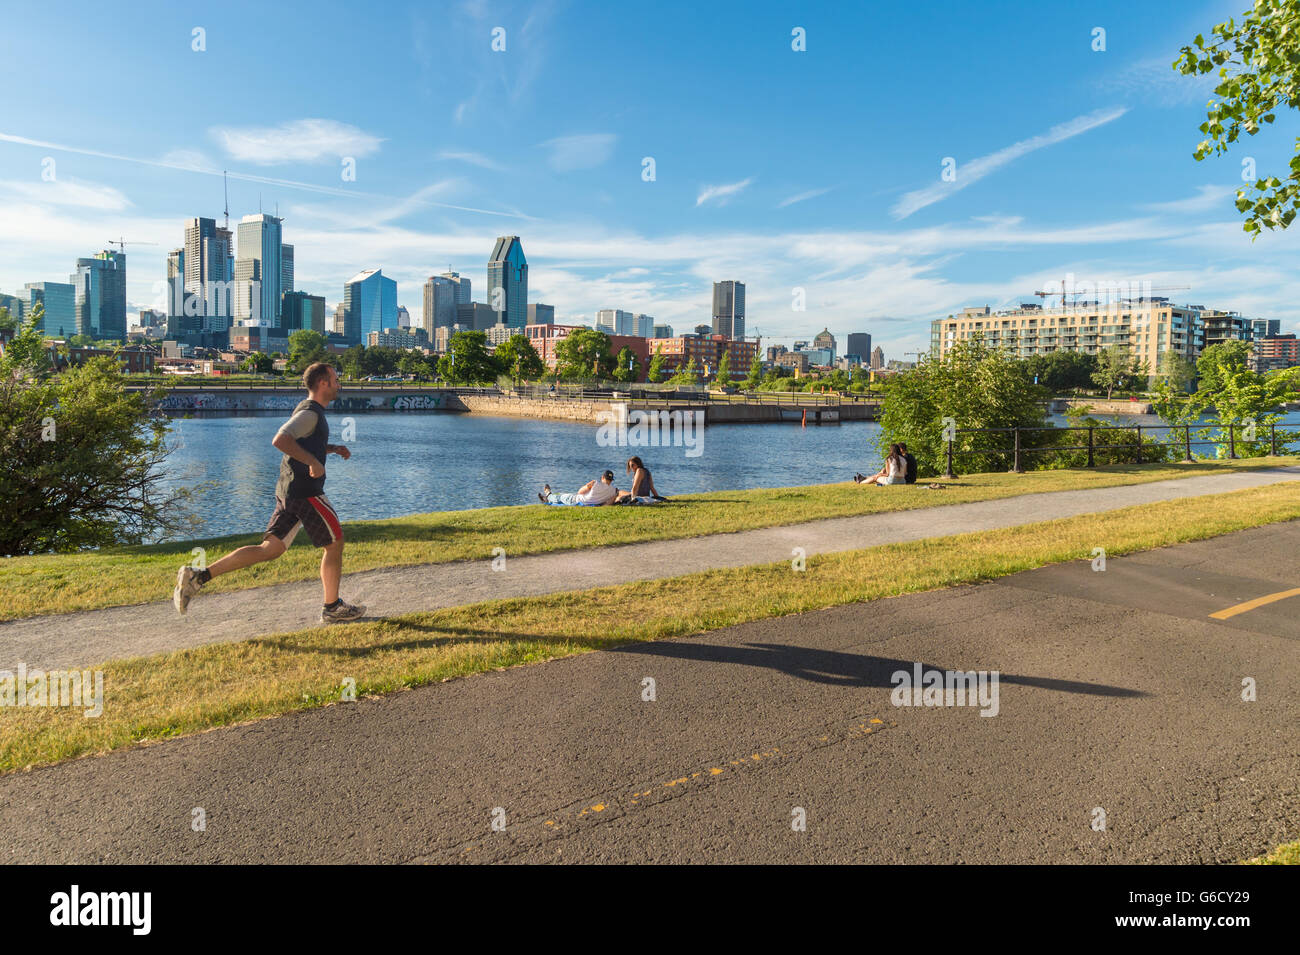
[(417, 402)]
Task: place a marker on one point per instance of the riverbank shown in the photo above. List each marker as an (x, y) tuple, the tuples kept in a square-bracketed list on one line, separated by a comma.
[(56, 584)]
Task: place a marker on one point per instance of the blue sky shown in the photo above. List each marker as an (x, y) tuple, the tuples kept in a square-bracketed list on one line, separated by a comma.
[(817, 170)]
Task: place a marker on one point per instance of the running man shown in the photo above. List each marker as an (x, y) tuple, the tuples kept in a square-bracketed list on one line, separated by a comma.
[(300, 502)]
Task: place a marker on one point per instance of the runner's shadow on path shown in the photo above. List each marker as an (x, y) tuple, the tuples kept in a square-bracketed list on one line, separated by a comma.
[(835, 668)]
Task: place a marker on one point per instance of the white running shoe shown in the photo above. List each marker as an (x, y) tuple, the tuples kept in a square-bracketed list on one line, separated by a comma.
[(342, 613), (187, 586)]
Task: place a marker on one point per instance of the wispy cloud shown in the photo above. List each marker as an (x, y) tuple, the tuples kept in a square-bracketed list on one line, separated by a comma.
[(724, 193), (474, 159), (184, 166), (302, 140), (1207, 199), (974, 170), (64, 192), (1154, 80), (800, 197), (580, 152)]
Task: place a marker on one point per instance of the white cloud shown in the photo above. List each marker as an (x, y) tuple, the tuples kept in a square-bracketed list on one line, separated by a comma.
[(301, 140), (64, 192), (722, 194), (801, 197), (580, 152), (474, 159), (1211, 198), (972, 171)]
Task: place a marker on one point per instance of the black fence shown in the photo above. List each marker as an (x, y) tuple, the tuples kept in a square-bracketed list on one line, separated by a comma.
[(1177, 443)]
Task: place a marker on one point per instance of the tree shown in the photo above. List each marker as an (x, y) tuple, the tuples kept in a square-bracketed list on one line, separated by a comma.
[(1238, 396), (626, 367), (1114, 367), (755, 372), (974, 387), (519, 359), (352, 363), (723, 377), (257, 363), (7, 321), (468, 359), (584, 353), (1258, 65), (686, 375), (306, 347), (80, 456), (655, 372)]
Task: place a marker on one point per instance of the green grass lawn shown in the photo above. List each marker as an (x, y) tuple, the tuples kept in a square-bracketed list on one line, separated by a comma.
[(48, 584), (188, 691)]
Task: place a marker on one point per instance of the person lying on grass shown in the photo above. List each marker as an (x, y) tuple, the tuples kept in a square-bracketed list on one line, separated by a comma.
[(593, 493)]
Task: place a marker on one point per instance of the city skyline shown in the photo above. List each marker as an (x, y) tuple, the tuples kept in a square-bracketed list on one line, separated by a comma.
[(1086, 170)]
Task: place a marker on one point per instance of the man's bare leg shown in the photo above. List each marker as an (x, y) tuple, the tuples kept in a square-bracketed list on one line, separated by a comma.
[(269, 549), (331, 568)]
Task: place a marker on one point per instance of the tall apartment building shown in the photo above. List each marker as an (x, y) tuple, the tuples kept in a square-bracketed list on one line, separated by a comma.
[(1218, 327), (507, 279), (1276, 351), (100, 288), (369, 305), (59, 300), (258, 268), (440, 300), (1149, 327), (729, 309), (209, 271), (539, 314)]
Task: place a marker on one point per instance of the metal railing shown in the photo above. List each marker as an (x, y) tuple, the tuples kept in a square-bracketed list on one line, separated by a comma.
[(1178, 436)]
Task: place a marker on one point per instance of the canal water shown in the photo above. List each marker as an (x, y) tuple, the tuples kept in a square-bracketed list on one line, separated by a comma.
[(411, 463)]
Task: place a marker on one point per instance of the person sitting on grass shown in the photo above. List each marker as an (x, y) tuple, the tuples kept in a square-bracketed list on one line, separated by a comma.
[(910, 460), (643, 485), (894, 471), (593, 493)]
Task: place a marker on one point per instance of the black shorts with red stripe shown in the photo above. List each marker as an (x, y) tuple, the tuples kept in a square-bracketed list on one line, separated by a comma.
[(316, 514)]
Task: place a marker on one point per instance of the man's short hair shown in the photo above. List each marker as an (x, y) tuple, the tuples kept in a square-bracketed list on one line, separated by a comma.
[(314, 374), (608, 475)]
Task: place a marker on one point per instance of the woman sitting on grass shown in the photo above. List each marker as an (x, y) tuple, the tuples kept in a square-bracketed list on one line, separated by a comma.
[(643, 485), (894, 471)]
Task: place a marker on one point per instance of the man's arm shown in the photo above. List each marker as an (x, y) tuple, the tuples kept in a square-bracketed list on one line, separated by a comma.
[(288, 444), (340, 449), (587, 487)]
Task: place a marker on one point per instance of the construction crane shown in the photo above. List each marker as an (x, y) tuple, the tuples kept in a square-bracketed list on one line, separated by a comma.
[(1110, 288), (121, 243)]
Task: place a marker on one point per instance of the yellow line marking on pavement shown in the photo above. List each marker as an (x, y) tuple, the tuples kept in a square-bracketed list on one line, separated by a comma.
[(1232, 611)]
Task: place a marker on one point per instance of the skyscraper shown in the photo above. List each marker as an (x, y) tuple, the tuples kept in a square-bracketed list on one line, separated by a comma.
[(258, 268), (729, 309), (59, 300), (369, 305), (100, 284), (208, 270), (440, 299), (507, 278), (463, 296), (877, 358), (859, 343), (286, 268), (825, 341), (539, 314)]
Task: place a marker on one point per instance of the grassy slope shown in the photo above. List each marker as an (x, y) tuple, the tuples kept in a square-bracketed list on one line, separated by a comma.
[(47, 584), (191, 690)]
